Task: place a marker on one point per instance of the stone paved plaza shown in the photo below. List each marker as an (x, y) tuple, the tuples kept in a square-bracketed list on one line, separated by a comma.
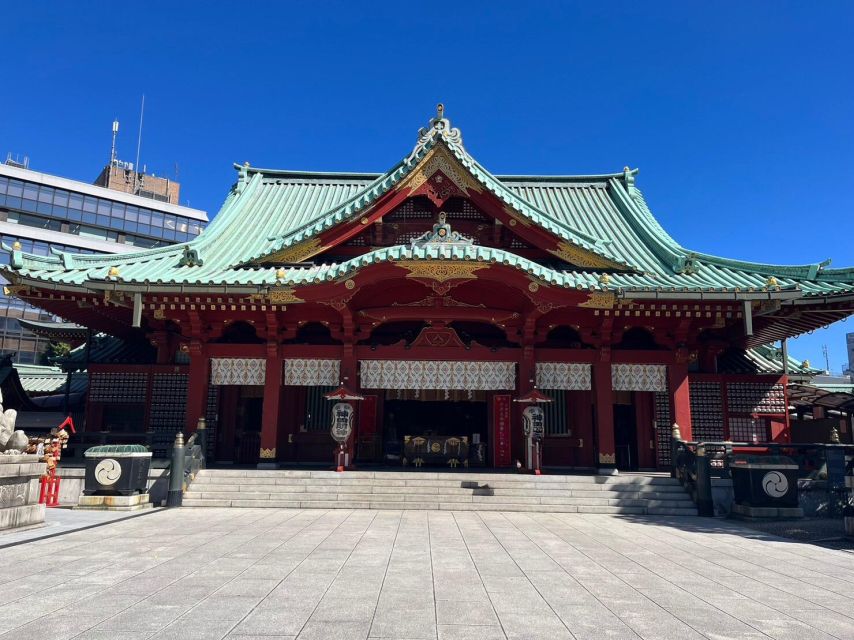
[(316, 574)]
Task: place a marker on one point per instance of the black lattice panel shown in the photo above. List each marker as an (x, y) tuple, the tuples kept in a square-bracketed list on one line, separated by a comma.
[(663, 429), (212, 418), (118, 388), (756, 397), (707, 411), (748, 430), (168, 404)]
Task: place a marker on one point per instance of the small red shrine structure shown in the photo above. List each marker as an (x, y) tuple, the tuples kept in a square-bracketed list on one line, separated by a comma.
[(439, 292)]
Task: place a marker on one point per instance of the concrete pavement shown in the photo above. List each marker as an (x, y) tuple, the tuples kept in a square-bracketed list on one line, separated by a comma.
[(247, 574)]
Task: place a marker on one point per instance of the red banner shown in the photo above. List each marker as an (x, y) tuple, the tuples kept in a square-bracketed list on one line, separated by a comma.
[(501, 432)]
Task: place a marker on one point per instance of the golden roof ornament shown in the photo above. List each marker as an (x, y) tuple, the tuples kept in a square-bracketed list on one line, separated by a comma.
[(16, 245), (806, 364), (772, 282), (604, 279), (113, 272), (280, 273)]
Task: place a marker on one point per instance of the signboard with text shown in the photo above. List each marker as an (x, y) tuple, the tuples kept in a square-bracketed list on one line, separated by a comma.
[(502, 455), (342, 421)]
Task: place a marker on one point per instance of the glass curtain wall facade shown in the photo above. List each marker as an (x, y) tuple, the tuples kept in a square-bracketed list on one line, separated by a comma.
[(43, 217)]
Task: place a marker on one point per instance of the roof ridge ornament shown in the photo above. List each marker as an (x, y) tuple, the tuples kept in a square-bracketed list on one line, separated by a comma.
[(440, 127), (442, 234)]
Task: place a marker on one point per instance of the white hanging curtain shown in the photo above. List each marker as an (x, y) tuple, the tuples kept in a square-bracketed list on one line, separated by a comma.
[(238, 371), (435, 374), (568, 376), (310, 372), (639, 377)]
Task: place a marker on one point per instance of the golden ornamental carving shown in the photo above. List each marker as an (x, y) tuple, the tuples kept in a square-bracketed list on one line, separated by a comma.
[(295, 253), (599, 300), (582, 257), (607, 458), (283, 296), (533, 287), (440, 159), (159, 314), (350, 284), (441, 271), (267, 454)]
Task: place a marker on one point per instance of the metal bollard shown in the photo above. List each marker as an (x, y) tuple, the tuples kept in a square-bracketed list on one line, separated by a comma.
[(202, 439), (705, 504), (675, 440), (176, 473)]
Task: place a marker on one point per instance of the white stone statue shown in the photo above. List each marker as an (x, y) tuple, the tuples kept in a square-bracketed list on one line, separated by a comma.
[(11, 442)]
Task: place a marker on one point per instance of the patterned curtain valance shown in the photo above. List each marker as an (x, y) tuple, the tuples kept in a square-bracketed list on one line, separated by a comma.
[(639, 377), (433, 374), (570, 376), (308, 372), (229, 371)]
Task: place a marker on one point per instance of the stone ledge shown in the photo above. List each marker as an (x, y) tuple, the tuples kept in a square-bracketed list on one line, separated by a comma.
[(22, 516), (747, 512), (115, 503)]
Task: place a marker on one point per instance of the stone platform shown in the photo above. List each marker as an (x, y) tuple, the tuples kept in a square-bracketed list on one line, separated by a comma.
[(746, 512), (19, 491), (136, 502)]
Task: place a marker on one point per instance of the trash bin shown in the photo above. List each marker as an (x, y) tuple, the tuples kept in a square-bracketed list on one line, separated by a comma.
[(117, 469), (764, 481)]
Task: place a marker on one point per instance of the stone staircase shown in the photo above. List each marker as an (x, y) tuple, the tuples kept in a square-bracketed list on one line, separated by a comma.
[(625, 494)]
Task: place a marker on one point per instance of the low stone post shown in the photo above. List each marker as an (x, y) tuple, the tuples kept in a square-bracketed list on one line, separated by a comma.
[(705, 504), (176, 473), (675, 441)]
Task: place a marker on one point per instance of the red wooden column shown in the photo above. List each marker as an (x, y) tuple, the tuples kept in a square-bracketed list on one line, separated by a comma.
[(270, 408), (197, 387), (680, 399), (606, 460)]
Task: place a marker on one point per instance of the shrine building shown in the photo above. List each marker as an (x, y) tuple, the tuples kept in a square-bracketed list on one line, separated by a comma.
[(440, 293)]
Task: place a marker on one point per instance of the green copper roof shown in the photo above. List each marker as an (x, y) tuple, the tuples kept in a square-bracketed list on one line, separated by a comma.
[(269, 210)]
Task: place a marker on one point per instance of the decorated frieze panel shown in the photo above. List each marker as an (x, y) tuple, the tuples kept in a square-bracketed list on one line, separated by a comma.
[(310, 372), (238, 371), (436, 374), (569, 376), (639, 377)]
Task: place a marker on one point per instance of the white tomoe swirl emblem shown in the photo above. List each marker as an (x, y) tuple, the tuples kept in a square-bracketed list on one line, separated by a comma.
[(108, 471), (775, 484)]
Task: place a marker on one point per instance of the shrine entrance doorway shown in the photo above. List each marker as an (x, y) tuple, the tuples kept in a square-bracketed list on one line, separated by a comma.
[(438, 428), (239, 433)]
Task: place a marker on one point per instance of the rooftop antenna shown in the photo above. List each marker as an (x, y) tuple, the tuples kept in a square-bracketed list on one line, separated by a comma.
[(138, 146), (826, 358), (115, 133)]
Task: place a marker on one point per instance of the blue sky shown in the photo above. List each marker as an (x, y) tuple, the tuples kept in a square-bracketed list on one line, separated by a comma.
[(738, 114)]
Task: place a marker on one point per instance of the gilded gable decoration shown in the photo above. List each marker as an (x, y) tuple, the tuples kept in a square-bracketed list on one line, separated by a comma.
[(441, 271)]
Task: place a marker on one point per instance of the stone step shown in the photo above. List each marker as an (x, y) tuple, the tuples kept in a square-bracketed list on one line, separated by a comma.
[(631, 494), (285, 490), (391, 476), (444, 506)]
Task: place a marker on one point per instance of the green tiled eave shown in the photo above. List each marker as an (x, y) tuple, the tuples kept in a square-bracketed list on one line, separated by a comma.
[(267, 210)]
